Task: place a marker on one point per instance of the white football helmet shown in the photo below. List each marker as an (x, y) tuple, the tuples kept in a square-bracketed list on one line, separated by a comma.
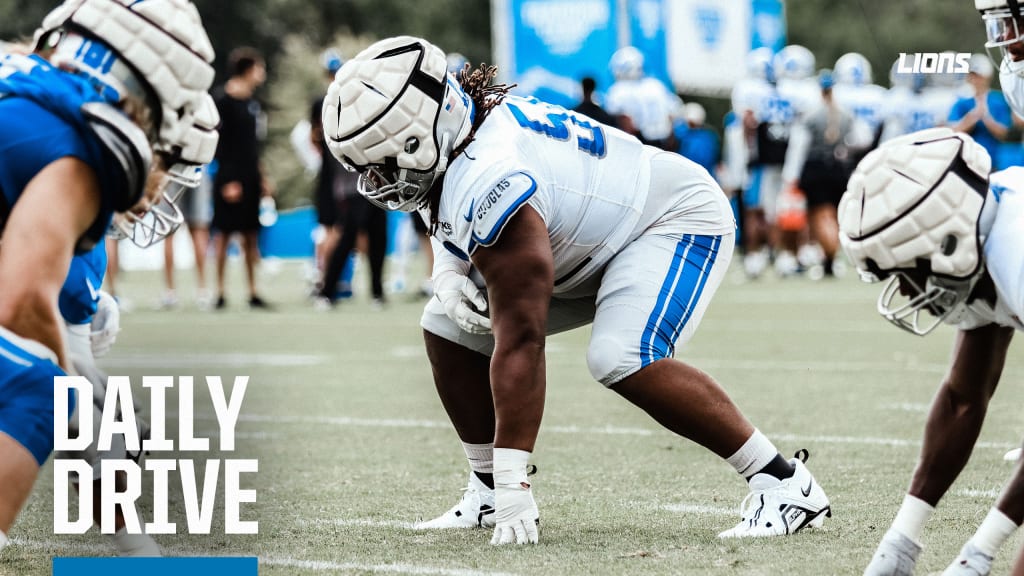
[(853, 69), (394, 114), (1003, 27), (158, 50), (760, 64), (794, 62), (627, 63), (910, 214)]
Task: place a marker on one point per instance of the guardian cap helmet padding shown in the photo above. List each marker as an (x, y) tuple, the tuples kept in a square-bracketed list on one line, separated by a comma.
[(162, 42), (910, 214), (394, 114)]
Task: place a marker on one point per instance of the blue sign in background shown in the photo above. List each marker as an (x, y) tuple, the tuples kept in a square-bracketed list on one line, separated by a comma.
[(558, 42), (768, 27), (156, 566), (647, 33)]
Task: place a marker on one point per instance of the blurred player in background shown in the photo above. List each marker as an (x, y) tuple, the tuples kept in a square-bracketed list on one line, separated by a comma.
[(818, 162), (86, 134), (856, 92), (907, 109), (923, 214), (642, 105), (569, 223)]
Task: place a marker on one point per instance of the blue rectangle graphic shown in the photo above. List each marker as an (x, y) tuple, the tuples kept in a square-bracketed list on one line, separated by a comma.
[(156, 566)]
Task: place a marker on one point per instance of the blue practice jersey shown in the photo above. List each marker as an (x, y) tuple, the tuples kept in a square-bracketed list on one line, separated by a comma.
[(40, 122), (80, 293)]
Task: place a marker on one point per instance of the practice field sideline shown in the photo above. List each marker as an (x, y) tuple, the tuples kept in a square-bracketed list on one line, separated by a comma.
[(354, 446)]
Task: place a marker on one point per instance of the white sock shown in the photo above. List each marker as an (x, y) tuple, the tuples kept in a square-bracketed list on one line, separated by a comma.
[(913, 515), (754, 455), (3, 540), (480, 456), (994, 530), (133, 544)]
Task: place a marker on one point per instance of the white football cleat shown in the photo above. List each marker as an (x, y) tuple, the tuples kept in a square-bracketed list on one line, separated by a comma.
[(1012, 455), (474, 510), (896, 556), (970, 562), (781, 507)]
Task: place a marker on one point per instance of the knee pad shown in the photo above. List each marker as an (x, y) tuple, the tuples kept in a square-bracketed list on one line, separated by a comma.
[(27, 369), (608, 359)]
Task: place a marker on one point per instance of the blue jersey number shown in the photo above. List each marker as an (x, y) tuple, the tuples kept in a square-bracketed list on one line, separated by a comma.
[(558, 123)]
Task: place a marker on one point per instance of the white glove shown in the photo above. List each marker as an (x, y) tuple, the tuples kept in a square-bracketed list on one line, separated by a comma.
[(517, 520), (106, 323), (463, 302)]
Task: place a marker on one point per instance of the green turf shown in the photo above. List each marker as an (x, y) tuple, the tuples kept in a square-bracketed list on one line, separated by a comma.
[(352, 441)]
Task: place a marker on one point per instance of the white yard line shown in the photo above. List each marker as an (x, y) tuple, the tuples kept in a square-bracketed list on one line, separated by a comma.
[(396, 568), (314, 565), (700, 509), (186, 360), (360, 522), (575, 430)]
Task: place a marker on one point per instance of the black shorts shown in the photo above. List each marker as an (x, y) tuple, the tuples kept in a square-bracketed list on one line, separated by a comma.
[(824, 182)]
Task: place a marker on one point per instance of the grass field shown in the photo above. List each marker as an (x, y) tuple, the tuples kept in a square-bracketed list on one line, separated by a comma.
[(354, 446)]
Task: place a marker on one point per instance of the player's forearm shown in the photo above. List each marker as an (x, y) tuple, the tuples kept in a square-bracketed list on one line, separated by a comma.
[(518, 386)]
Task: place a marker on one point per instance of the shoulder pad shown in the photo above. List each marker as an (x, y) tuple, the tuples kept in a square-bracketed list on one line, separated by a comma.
[(127, 143), (490, 212)]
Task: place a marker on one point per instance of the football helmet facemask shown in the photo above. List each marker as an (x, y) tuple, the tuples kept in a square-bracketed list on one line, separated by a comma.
[(1003, 28)]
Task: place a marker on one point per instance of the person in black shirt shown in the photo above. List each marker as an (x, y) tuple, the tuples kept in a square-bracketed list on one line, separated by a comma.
[(588, 107), (239, 183)]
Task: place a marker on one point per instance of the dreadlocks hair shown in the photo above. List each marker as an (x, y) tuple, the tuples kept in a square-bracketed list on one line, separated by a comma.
[(485, 96)]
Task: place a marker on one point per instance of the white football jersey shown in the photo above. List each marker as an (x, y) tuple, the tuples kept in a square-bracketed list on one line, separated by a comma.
[(589, 183), (647, 102), (804, 95), (866, 102), (1004, 258), (908, 111)]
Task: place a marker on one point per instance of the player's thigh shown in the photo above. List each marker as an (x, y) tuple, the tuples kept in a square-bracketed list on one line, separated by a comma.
[(652, 298), (563, 315)]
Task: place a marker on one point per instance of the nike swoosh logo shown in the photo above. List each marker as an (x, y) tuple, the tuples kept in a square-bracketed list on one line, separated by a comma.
[(807, 492), (469, 214), (92, 291)]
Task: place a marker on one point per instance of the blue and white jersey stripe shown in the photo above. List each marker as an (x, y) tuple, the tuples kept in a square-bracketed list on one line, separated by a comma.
[(680, 292)]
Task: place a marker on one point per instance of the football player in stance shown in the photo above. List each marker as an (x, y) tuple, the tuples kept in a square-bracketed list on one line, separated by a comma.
[(568, 223), (923, 214), (92, 321), (91, 124)]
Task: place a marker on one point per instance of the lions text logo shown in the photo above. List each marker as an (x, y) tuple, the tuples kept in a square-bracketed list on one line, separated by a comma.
[(933, 63)]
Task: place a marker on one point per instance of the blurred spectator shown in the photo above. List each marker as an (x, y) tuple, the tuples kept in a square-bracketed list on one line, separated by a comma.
[(698, 142), (818, 159), (641, 104), (240, 182), (196, 206), (329, 194), (360, 218), (589, 107), (985, 115)]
